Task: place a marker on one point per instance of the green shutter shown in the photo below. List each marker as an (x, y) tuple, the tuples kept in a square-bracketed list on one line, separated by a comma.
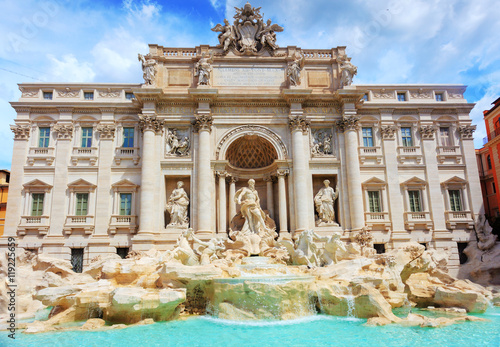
[(37, 205), (455, 201), (374, 201), (82, 202)]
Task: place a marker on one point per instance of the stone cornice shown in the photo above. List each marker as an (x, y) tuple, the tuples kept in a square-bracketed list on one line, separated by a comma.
[(296, 95), (203, 94)]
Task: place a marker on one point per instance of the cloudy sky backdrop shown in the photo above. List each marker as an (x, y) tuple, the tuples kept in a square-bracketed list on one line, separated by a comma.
[(391, 41)]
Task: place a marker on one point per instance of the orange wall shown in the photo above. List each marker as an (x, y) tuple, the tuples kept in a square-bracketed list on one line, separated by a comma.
[(3, 206)]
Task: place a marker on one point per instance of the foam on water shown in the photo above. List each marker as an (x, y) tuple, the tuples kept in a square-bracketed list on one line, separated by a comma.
[(270, 323)]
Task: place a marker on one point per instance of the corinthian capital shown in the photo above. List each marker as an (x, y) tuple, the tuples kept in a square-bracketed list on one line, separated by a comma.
[(348, 123), (21, 132), (64, 131), (152, 123), (202, 122), (467, 131), (106, 131), (388, 132), (299, 123), (427, 132)]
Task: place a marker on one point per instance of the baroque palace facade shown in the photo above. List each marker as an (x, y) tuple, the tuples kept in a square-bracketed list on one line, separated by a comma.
[(95, 166)]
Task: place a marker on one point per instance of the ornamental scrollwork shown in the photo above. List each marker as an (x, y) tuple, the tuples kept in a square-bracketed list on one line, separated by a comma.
[(388, 132)]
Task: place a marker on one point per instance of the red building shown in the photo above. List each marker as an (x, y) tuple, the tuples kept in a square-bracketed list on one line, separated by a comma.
[(489, 162)]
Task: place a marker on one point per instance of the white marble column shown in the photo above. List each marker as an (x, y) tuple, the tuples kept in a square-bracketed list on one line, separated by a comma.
[(350, 125), (282, 200), (232, 193), (222, 201), (270, 197), (150, 125), (476, 205), (203, 125), (299, 126)]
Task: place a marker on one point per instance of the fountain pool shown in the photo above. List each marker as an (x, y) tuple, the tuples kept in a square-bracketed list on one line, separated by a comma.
[(316, 330)]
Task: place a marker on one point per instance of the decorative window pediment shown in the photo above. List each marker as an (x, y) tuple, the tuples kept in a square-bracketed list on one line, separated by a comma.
[(415, 182), (125, 185), (37, 185), (455, 181), (375, 182), (81, 185)]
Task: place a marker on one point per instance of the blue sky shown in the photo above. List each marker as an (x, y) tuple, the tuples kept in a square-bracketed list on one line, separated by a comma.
[(391, 41)]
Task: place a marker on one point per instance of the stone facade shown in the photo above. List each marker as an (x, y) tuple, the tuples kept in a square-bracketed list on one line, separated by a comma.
[(94, 164)]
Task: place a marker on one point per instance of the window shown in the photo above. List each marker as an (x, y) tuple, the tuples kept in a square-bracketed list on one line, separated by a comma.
[(125, 204), (493, 187), (122, 252), (37, 204), (77, 259), (488, 159), (88, 95), (47, 95), (374, 201), (82, 203), (44, 137), (439, 97), (129, 96), (365, 97), (401, 96), (406, 137), (444, 134), (86, 137), (367, 137), (414, 198), (128, 137), (455, 201)]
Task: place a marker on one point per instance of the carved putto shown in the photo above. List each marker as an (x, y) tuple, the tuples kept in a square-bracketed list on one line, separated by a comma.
[(348, 71), (178, 143), (203, 68), (294, 69), (148, 69), (321, 142), (249, 34)]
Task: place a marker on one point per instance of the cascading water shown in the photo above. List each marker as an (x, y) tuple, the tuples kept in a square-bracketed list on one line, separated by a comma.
[(350, 305)]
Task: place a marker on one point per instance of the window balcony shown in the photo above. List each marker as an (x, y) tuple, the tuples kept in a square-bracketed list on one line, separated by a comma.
[(127, 153), (378, 219), (408, 154), (371, 154), (46, 154), (84, 153), (422, 219), (79, 222), (454, 218), (40, 223), (123, 222), (449, 154)]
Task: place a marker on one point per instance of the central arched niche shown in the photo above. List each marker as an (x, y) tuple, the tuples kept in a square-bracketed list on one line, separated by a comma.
[(251, 152)]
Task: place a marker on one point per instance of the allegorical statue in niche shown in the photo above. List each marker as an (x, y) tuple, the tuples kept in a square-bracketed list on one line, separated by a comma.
[(148, 69), (177, 206), (203, 68), (254, 216), (348, 70), (324, 202), (293, 71)]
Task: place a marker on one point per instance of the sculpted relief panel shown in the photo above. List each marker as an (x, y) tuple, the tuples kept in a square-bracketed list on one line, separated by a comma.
[(321, 142), (177, 143)]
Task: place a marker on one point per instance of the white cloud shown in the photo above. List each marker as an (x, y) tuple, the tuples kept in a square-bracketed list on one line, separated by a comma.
[(142, 10), (69, 69)]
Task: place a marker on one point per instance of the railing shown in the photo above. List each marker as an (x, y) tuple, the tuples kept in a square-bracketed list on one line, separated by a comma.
[(459, 215), (444, 152), (370, 153), (376, 216), (411, 150), (34, 220), (79, 220), (123, 222), (42, 151), (417, 216), (493, 134), (85, 151), (127, 153), (179, 52), (317, 53)]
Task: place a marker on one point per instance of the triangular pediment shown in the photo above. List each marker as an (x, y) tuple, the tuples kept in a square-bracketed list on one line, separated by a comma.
[(414, 181), (374, 181), (81, 183), (36, 183), (125, 183), (454, 180)]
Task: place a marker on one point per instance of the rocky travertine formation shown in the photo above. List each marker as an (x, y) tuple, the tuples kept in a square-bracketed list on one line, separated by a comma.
[(159, 287)]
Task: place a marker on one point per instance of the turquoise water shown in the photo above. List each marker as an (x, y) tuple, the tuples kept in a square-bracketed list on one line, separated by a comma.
[(313, 331)]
